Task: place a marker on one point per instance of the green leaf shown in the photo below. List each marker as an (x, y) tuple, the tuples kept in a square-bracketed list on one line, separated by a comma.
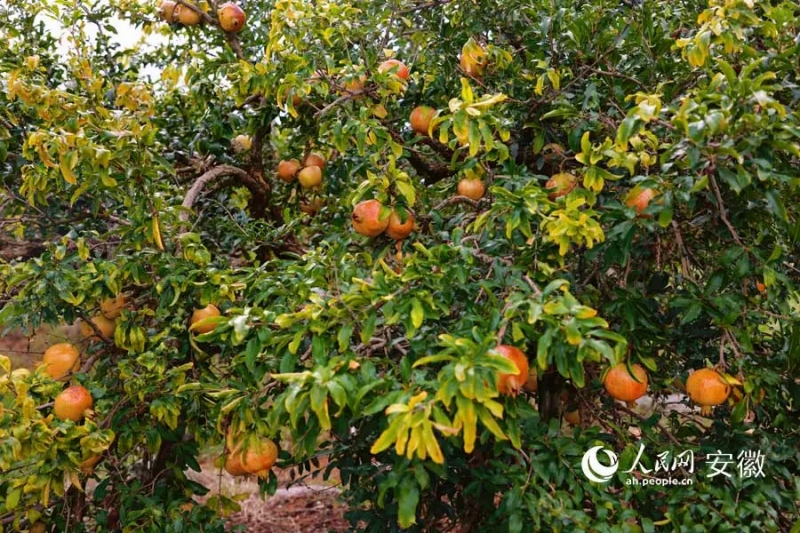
[(542, 347), (407, 500), (691, 313), (343, 338)]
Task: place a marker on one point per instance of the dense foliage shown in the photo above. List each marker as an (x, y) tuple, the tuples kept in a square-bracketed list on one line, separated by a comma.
[(117, 175)]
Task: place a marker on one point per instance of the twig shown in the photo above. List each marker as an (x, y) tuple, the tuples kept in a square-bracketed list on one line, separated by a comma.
[(615, 74), (682, 249), (722, 211), (457, 200), (342, 99), (661, 427)]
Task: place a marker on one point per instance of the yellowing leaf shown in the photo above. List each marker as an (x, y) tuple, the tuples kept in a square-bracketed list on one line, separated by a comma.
[(157, 233)]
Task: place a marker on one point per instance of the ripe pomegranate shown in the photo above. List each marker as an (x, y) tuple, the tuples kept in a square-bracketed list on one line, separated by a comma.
[(72, 403), (562, 183), (201, 314), (61, 359), (310, 177), (314, 159), (259, 457), (233, 465), (288, 169), (707, 388), (186, 16), (761, 287), (111, 308), (510, 384), (355, 86), (573, 418), (398, 230), (532, 383), (389, 64), (231, 17), (366, 218), (640, 198), (622, 386), (421, 118), (105, 326), (167, 11), (471, 188)]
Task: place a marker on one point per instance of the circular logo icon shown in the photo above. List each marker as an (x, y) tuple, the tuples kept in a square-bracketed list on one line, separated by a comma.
[(596, 471)]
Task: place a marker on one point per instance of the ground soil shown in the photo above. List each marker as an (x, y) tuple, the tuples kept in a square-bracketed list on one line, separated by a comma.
[(310, 507)]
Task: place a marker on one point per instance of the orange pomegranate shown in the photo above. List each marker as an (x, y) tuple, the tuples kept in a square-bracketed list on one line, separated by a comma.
[(61, 359), (201, 314), (389, 64), (186, 16), (233, 465), (111, 308), (231, 17), (621, 385), (510, 384), (562, 183), (354, 87), (310, 177), (72, 403), (573, 418), (259, 457), (760, 287), (167, 11), (639, 198), (471, 188), (105, 326), (315, 160), (421, 118), (366, 218), (288, 169), (398, 230), (707, 388)]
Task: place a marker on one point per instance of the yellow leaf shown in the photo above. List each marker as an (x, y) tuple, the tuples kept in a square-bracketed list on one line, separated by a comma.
[(432, 445), (157, 233), (66, 168)]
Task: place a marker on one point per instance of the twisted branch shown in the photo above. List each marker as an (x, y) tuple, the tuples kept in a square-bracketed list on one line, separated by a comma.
[(213, 174)]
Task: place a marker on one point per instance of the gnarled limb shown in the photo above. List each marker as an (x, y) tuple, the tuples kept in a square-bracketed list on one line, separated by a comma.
[(214, 174)]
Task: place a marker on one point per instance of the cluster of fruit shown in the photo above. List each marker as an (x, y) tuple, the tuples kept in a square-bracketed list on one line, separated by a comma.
[(367, 221), (230, 17), (705, 387), (309, 174)]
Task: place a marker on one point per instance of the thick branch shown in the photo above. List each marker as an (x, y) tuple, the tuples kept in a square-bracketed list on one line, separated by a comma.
[(213, 174)]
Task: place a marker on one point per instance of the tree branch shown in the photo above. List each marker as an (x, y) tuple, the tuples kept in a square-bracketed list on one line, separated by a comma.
[(213, 174), (723, 214)]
